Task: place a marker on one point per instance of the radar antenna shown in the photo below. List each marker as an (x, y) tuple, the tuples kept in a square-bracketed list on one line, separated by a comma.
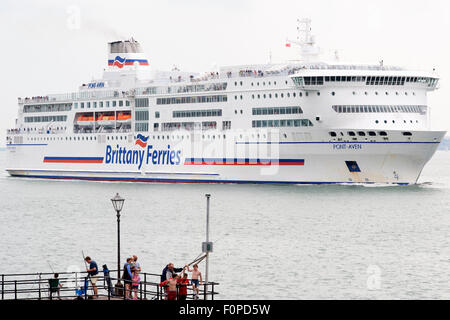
[(305, 41)]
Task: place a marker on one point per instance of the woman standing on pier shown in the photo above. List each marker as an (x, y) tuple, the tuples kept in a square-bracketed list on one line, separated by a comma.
[(127, 276)]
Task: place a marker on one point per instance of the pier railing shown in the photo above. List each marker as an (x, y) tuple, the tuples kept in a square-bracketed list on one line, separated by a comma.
[(77, 285)]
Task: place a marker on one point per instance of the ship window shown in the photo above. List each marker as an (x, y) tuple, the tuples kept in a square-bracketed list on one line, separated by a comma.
[(88, 104), (361, 133), (82, 105), (383, 133), (372, 133), (407, 133), (332, 133), (120, 103), (351, 133), (114, 103)]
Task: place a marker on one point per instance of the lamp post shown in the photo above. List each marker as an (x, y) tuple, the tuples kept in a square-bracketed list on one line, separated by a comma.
[(207, 246), (117, 202)]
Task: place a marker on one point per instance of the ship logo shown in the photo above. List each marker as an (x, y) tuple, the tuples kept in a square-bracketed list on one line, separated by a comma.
[(119, 62), (141, 140)]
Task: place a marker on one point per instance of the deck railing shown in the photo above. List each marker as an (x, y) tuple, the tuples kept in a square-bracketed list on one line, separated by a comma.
[(36, 286)]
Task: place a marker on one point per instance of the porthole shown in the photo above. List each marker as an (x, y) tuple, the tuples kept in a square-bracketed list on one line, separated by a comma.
[(333, 93)]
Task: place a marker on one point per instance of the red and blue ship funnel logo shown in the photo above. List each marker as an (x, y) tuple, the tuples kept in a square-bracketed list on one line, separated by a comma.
[(141, 140), (120, 62)]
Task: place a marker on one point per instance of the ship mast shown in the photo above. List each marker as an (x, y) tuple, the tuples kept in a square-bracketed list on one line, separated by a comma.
[(305, 41)]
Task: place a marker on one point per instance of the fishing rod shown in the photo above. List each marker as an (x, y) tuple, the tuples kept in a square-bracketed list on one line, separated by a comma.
[(50, 266)]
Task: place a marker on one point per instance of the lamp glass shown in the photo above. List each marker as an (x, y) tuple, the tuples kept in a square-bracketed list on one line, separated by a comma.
[(117, 202)]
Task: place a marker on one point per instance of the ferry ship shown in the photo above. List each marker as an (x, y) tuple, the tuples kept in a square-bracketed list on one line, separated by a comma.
[(301, 122)]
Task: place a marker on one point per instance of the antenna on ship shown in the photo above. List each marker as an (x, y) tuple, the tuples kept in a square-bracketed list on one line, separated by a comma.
[(305, 41)]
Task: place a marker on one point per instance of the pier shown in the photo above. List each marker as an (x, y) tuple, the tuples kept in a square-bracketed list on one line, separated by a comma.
[(77, 286)]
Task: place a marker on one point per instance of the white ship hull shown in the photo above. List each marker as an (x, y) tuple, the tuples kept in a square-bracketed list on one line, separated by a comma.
[(398, 160)]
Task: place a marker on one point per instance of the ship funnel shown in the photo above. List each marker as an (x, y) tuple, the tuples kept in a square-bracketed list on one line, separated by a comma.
[(128, 54)]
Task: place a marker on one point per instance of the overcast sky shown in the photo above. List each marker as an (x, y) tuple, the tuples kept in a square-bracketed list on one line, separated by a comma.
[(54, 46)]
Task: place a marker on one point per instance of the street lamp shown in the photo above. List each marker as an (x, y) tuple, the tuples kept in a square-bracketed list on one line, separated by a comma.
[(117, 202)]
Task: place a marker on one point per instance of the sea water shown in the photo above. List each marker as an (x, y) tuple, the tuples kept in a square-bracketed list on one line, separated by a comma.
[(270, 241)]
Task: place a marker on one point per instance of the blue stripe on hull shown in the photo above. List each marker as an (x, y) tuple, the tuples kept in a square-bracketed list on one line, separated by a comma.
[(190, 180)]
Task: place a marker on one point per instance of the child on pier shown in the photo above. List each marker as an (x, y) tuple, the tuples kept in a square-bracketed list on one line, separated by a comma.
[(196, 276), (136, 279)]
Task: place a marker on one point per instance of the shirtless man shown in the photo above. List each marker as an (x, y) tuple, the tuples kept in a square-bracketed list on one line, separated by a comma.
[(196, 274), (172, 287)]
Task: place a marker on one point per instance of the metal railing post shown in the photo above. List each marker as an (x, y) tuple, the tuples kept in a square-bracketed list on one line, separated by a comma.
[(204, 292), (39, 286), (3, 286), (15, 289), (145, 285), (212, 291), (85, 289), (158, 293)]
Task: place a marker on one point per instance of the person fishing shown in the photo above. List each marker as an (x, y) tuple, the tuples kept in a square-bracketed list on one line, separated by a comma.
[(55, 286), (93, 274)]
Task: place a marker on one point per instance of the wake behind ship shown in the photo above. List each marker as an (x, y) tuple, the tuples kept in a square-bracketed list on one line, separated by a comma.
[(302, 122)]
